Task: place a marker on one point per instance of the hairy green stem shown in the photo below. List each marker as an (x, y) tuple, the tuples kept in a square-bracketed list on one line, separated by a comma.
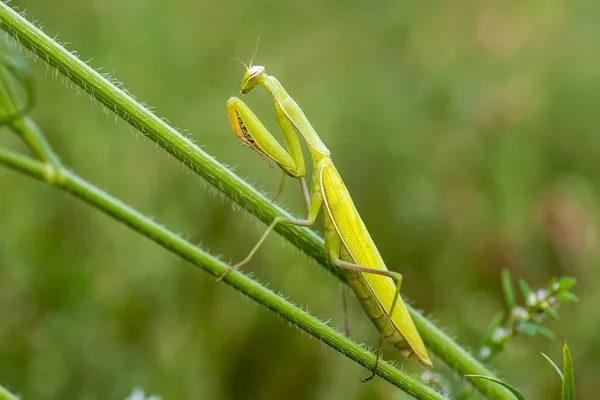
[(120, 211), (219, 176)]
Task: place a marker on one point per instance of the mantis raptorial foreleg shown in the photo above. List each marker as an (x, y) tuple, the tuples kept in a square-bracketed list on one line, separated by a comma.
[(281, 187), (251, 131), (347, 240)]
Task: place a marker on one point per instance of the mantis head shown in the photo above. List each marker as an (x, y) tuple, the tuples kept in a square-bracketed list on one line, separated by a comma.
[(252, 77)]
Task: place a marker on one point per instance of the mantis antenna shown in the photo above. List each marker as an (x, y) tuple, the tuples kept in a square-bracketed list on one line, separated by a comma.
[(237, 59), (231, 58), (254, 54)]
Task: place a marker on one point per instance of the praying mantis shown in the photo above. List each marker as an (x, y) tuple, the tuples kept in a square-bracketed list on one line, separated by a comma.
[(347, 240)]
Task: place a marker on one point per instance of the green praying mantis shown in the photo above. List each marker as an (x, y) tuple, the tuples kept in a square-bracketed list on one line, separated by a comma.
[(347, 240)]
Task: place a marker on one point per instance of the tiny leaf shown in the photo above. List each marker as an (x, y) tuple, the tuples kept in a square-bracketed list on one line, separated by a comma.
[(568, 389), (551, 312), (555, 366), (514, 391), (527, 328), (566, 297), (544, 332), (525, 290), (509, 293), (566, 282)]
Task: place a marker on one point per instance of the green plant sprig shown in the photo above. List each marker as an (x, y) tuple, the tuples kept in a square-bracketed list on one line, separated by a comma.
[(526, 319)]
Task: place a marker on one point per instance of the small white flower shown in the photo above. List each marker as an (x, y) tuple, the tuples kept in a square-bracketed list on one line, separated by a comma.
[(426, 377), (485, 352), (542, 294), (531, 299), (520, 313), (138, 394), (499, 335)]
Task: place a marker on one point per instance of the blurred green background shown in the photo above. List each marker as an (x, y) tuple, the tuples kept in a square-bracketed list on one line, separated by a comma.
[(467, 133)]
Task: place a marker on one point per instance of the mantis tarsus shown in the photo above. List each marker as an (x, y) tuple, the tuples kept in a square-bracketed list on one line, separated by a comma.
[(347, 240)]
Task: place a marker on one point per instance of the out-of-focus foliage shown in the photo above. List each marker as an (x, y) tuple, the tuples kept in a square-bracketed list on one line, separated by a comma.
[(466, 132), (567, 377)]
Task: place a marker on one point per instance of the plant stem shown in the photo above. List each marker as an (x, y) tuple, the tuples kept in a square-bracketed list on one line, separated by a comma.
[(120, 211), (22, 124), (220, 177), (6, 395)]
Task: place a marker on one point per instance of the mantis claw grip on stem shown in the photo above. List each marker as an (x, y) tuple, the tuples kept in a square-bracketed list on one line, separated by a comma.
[(347, 240)]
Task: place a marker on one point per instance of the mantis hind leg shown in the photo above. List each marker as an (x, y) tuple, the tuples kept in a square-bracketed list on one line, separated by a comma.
[(303, 188), (345, 309), (397, 278)]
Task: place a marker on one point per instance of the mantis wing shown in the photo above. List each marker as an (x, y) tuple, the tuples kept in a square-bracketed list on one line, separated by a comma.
[(375, 292)]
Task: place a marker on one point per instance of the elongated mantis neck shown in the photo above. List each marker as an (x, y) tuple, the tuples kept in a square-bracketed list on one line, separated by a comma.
[(317, 148)]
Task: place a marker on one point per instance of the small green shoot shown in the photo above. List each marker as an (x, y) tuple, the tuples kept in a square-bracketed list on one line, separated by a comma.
[(513, 390), (567, 377), (526, 319)]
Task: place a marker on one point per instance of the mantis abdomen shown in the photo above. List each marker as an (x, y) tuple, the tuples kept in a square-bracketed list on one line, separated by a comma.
[(347, 238)]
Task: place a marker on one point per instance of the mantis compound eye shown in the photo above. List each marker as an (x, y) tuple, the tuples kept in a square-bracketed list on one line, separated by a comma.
[(256, 71)]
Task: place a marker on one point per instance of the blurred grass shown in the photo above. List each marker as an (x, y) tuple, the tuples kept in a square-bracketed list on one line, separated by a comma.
[(466, 133)]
